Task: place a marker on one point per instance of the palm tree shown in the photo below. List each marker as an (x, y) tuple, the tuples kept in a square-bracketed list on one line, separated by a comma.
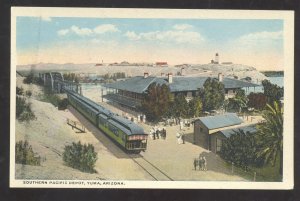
[(270, 135)]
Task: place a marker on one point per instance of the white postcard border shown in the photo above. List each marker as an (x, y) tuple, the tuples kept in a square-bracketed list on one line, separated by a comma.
[(288, 165)]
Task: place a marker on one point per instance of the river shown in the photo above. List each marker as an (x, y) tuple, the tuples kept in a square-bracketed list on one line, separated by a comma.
[(274, 80)]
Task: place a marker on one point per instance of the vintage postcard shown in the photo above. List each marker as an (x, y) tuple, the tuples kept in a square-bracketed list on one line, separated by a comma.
[(151, 98)]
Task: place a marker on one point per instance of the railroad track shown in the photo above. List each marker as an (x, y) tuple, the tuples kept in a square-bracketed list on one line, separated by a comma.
[(151, 169)]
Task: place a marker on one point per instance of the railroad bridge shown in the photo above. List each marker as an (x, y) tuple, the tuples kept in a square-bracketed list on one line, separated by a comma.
[(56, 82)]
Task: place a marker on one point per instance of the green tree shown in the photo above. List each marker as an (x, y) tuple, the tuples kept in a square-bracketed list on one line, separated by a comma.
[(213, 94), (238, 102), (270, 135), (157, 101), (72, 77), (195, 107), (257, 101), (272, 91), (180, 107), (240, 148)]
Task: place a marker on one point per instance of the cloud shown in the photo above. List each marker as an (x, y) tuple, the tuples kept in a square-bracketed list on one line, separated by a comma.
[(101, 29), (177, 36), (182, 26), (258, 43), (259, 37), (63, 32), (131, 35), (104, 28), (81, 31), (46, 18)]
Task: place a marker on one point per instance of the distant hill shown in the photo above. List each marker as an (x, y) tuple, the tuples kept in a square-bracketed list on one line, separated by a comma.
[(273, 73), (237, 71), (54, 66)]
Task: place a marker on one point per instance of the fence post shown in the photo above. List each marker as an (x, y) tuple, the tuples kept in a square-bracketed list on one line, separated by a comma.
[(232, 167), (254, 179)]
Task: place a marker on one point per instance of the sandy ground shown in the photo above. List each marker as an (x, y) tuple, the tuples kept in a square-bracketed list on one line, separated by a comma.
[(49, 134), (172, 158)]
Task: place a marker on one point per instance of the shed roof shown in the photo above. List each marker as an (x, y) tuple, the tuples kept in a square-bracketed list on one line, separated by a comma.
[(220, 121), (140, 84), (246, 129)]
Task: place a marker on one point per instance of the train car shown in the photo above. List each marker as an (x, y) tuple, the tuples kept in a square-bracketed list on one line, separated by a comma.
[(125, 133)]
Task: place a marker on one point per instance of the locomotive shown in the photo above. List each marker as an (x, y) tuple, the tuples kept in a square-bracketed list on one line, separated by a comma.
[(123, 132)]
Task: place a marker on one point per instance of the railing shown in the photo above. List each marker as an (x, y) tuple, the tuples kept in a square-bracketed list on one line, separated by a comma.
[(76, 125)]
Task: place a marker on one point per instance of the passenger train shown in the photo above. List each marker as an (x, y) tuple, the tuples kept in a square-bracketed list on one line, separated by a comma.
[(124, 132)]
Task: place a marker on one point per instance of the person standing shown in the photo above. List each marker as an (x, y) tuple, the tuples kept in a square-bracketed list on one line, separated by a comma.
[(201, 163), (196, 163), (178, 138), (153, 133), (204, 163), (183, 138), (164, 133)]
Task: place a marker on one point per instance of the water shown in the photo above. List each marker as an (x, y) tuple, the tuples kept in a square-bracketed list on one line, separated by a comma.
[(277, 80), (274, 80), (93, 91)]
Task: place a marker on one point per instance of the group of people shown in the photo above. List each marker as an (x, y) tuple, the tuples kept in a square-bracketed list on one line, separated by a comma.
[(201, 163), (158, 132)]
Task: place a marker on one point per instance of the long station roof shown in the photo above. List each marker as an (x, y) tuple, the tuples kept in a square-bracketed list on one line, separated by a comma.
[(140, 84)]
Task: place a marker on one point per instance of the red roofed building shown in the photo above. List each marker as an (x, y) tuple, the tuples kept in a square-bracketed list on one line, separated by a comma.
[(161, 63)]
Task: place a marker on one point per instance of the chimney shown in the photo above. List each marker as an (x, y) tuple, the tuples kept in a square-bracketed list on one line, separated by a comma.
[(170, 78), (220, 77), (146, 75)]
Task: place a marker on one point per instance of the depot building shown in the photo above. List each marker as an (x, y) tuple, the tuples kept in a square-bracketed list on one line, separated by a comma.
[(130, 92)]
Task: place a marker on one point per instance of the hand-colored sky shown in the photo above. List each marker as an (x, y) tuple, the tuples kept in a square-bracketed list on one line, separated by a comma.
[(258, 43)]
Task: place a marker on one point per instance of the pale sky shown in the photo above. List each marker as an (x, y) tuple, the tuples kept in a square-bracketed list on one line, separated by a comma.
[(258, 43)]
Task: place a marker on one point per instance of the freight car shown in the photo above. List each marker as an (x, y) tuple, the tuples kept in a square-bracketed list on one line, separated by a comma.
[(125, 133)]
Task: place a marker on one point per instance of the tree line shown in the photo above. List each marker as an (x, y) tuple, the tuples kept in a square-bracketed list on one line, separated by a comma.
[(160, 103)]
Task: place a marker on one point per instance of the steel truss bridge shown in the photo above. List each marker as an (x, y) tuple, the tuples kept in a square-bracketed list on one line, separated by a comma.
[(56, 82)]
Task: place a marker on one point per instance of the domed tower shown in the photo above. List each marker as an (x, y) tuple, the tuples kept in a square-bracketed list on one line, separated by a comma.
[(217, 58)]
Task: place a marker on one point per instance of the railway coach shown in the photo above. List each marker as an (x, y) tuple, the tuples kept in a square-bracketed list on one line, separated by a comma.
[(125, 133)]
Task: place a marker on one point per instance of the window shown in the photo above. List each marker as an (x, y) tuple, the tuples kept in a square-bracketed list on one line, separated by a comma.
[(123, 137), (218, 144), (201, 129)]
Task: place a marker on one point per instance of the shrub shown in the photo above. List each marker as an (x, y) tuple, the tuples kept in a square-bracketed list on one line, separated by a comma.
[(50, 97), (29, 78), (25, 154), (81, 157), (23, 110), (28, 93), (19, 91), (63, 104)]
